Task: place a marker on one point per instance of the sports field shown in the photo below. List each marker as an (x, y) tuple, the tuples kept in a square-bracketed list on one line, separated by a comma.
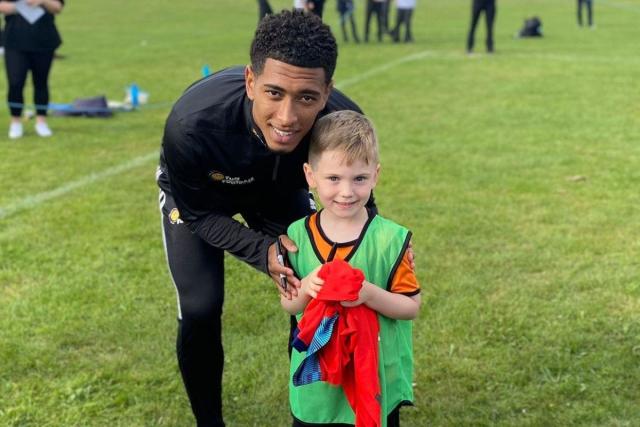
[(518, 174)]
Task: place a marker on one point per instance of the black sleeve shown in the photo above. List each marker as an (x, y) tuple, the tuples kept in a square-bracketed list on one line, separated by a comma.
[(224, 232), (190, 193)]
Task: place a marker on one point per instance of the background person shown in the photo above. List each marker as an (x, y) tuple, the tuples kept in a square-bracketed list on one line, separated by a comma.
[(489, 9), (374, 7), (589, 5), (404, 13), (29, 47), (236, 142), (316, 6), (264, 8), (345, 9)]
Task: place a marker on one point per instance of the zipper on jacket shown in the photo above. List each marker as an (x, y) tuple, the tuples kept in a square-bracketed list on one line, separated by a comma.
[(274, 175)]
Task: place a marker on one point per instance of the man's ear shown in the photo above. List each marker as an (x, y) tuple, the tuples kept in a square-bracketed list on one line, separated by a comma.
[(249, 81), (308, 174), (327, 92)]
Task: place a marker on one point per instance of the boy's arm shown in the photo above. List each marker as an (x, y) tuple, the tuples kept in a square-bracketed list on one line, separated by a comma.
[(389, 304), (309, 288)]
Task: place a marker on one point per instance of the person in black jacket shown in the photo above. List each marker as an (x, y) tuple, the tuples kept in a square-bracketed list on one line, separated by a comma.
[(235, 143), (489, 9), (29, 47)]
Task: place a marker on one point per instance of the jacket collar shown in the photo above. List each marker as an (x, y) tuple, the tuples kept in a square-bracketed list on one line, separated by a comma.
[(252, 128)]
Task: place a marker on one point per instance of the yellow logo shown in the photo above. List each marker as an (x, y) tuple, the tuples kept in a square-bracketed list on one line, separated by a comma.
[(174, 216), (216, 176)]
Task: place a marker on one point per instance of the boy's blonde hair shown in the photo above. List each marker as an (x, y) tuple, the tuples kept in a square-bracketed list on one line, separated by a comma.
[(346, 131)]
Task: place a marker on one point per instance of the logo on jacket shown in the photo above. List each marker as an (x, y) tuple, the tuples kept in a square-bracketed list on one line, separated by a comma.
[(216, 176), (231, 180), (174, 216)]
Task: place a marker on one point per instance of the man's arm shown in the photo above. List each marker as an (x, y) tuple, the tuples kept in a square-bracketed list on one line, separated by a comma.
[(224, 232)]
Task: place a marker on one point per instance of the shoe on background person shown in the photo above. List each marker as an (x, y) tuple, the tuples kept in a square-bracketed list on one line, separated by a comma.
[(42, 129), (15, 130)]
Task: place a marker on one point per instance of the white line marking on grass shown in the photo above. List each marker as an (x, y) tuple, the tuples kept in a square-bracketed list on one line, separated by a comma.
[(377, 70), (622, 6), (30, 202)]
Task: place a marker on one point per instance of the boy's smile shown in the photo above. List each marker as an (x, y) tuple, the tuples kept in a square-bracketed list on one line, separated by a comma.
[(343, 189)]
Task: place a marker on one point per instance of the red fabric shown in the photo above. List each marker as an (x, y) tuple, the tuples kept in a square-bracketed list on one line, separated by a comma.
[(350, 358)]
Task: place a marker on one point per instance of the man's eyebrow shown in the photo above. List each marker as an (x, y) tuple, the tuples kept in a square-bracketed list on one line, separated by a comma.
[(281, 89)]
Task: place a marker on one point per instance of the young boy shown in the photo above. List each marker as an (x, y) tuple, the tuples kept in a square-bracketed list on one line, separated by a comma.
[(343, 169)]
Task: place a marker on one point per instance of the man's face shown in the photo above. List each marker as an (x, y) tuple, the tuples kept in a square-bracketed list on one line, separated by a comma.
[(286, 101)]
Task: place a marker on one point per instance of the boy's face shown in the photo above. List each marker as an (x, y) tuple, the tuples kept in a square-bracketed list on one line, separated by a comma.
[(342, 189), (286, 101)]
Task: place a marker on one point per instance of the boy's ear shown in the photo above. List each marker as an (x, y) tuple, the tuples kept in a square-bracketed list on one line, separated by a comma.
[(376, 175), (308, 174)]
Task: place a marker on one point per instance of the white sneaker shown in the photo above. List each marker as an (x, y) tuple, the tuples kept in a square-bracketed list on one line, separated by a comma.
[(43, 130), (15, 130)]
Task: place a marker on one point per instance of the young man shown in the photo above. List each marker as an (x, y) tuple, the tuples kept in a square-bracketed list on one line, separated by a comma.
[(235, 143), (343, 168)]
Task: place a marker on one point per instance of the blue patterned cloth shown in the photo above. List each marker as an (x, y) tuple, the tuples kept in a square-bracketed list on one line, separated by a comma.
[(309, 370)]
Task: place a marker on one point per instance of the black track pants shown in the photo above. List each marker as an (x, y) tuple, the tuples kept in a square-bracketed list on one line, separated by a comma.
[(489, 8), (197, 270), (18, 64)]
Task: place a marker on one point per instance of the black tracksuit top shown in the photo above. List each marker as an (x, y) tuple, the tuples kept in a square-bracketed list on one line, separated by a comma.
[(215, 164)]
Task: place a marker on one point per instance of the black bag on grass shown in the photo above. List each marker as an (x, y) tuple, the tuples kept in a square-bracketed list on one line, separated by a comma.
[(532, 28)]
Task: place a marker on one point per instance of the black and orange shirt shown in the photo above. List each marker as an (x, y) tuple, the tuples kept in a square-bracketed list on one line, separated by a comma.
[(404, 279)]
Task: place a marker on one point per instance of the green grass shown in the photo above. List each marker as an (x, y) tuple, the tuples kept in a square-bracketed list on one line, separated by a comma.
[(531, 276)]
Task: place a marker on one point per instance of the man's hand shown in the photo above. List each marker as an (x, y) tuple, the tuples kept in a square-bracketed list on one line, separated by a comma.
[(276, 269)]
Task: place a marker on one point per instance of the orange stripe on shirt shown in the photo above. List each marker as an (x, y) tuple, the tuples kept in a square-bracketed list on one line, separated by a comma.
[(404, 280)]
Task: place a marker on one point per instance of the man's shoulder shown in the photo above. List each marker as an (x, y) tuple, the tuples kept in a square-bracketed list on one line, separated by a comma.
[(217, 98), (338, 101)]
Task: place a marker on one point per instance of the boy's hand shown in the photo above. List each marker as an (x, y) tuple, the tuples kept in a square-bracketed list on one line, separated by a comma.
[(276, 269), (312, 284), (363, 296)]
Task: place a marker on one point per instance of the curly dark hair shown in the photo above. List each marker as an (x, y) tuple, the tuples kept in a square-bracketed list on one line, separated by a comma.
[(296, 38)]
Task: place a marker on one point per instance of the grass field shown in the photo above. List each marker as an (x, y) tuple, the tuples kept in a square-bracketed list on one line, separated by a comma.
[(517, 172)]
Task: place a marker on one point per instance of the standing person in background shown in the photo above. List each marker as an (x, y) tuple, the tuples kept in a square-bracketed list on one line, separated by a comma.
[(346, 8), (300, 5), (404, 13), (29, 47), (489, 9), (374, 6), (386, 8), (263, 9), (589, 6), (316, 6)]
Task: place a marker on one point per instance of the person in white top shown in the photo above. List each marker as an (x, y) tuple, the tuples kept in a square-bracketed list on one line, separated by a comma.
[(404, 12)]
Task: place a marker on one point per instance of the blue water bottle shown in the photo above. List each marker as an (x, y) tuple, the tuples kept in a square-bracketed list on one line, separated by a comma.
[(134, 94), (205, 70)]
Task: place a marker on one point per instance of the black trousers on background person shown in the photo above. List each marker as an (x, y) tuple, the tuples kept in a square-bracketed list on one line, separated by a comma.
[(403, 16), (378, 9), (489, 9), (318, 7), (264, 8), (589, 5), (17, 65)]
